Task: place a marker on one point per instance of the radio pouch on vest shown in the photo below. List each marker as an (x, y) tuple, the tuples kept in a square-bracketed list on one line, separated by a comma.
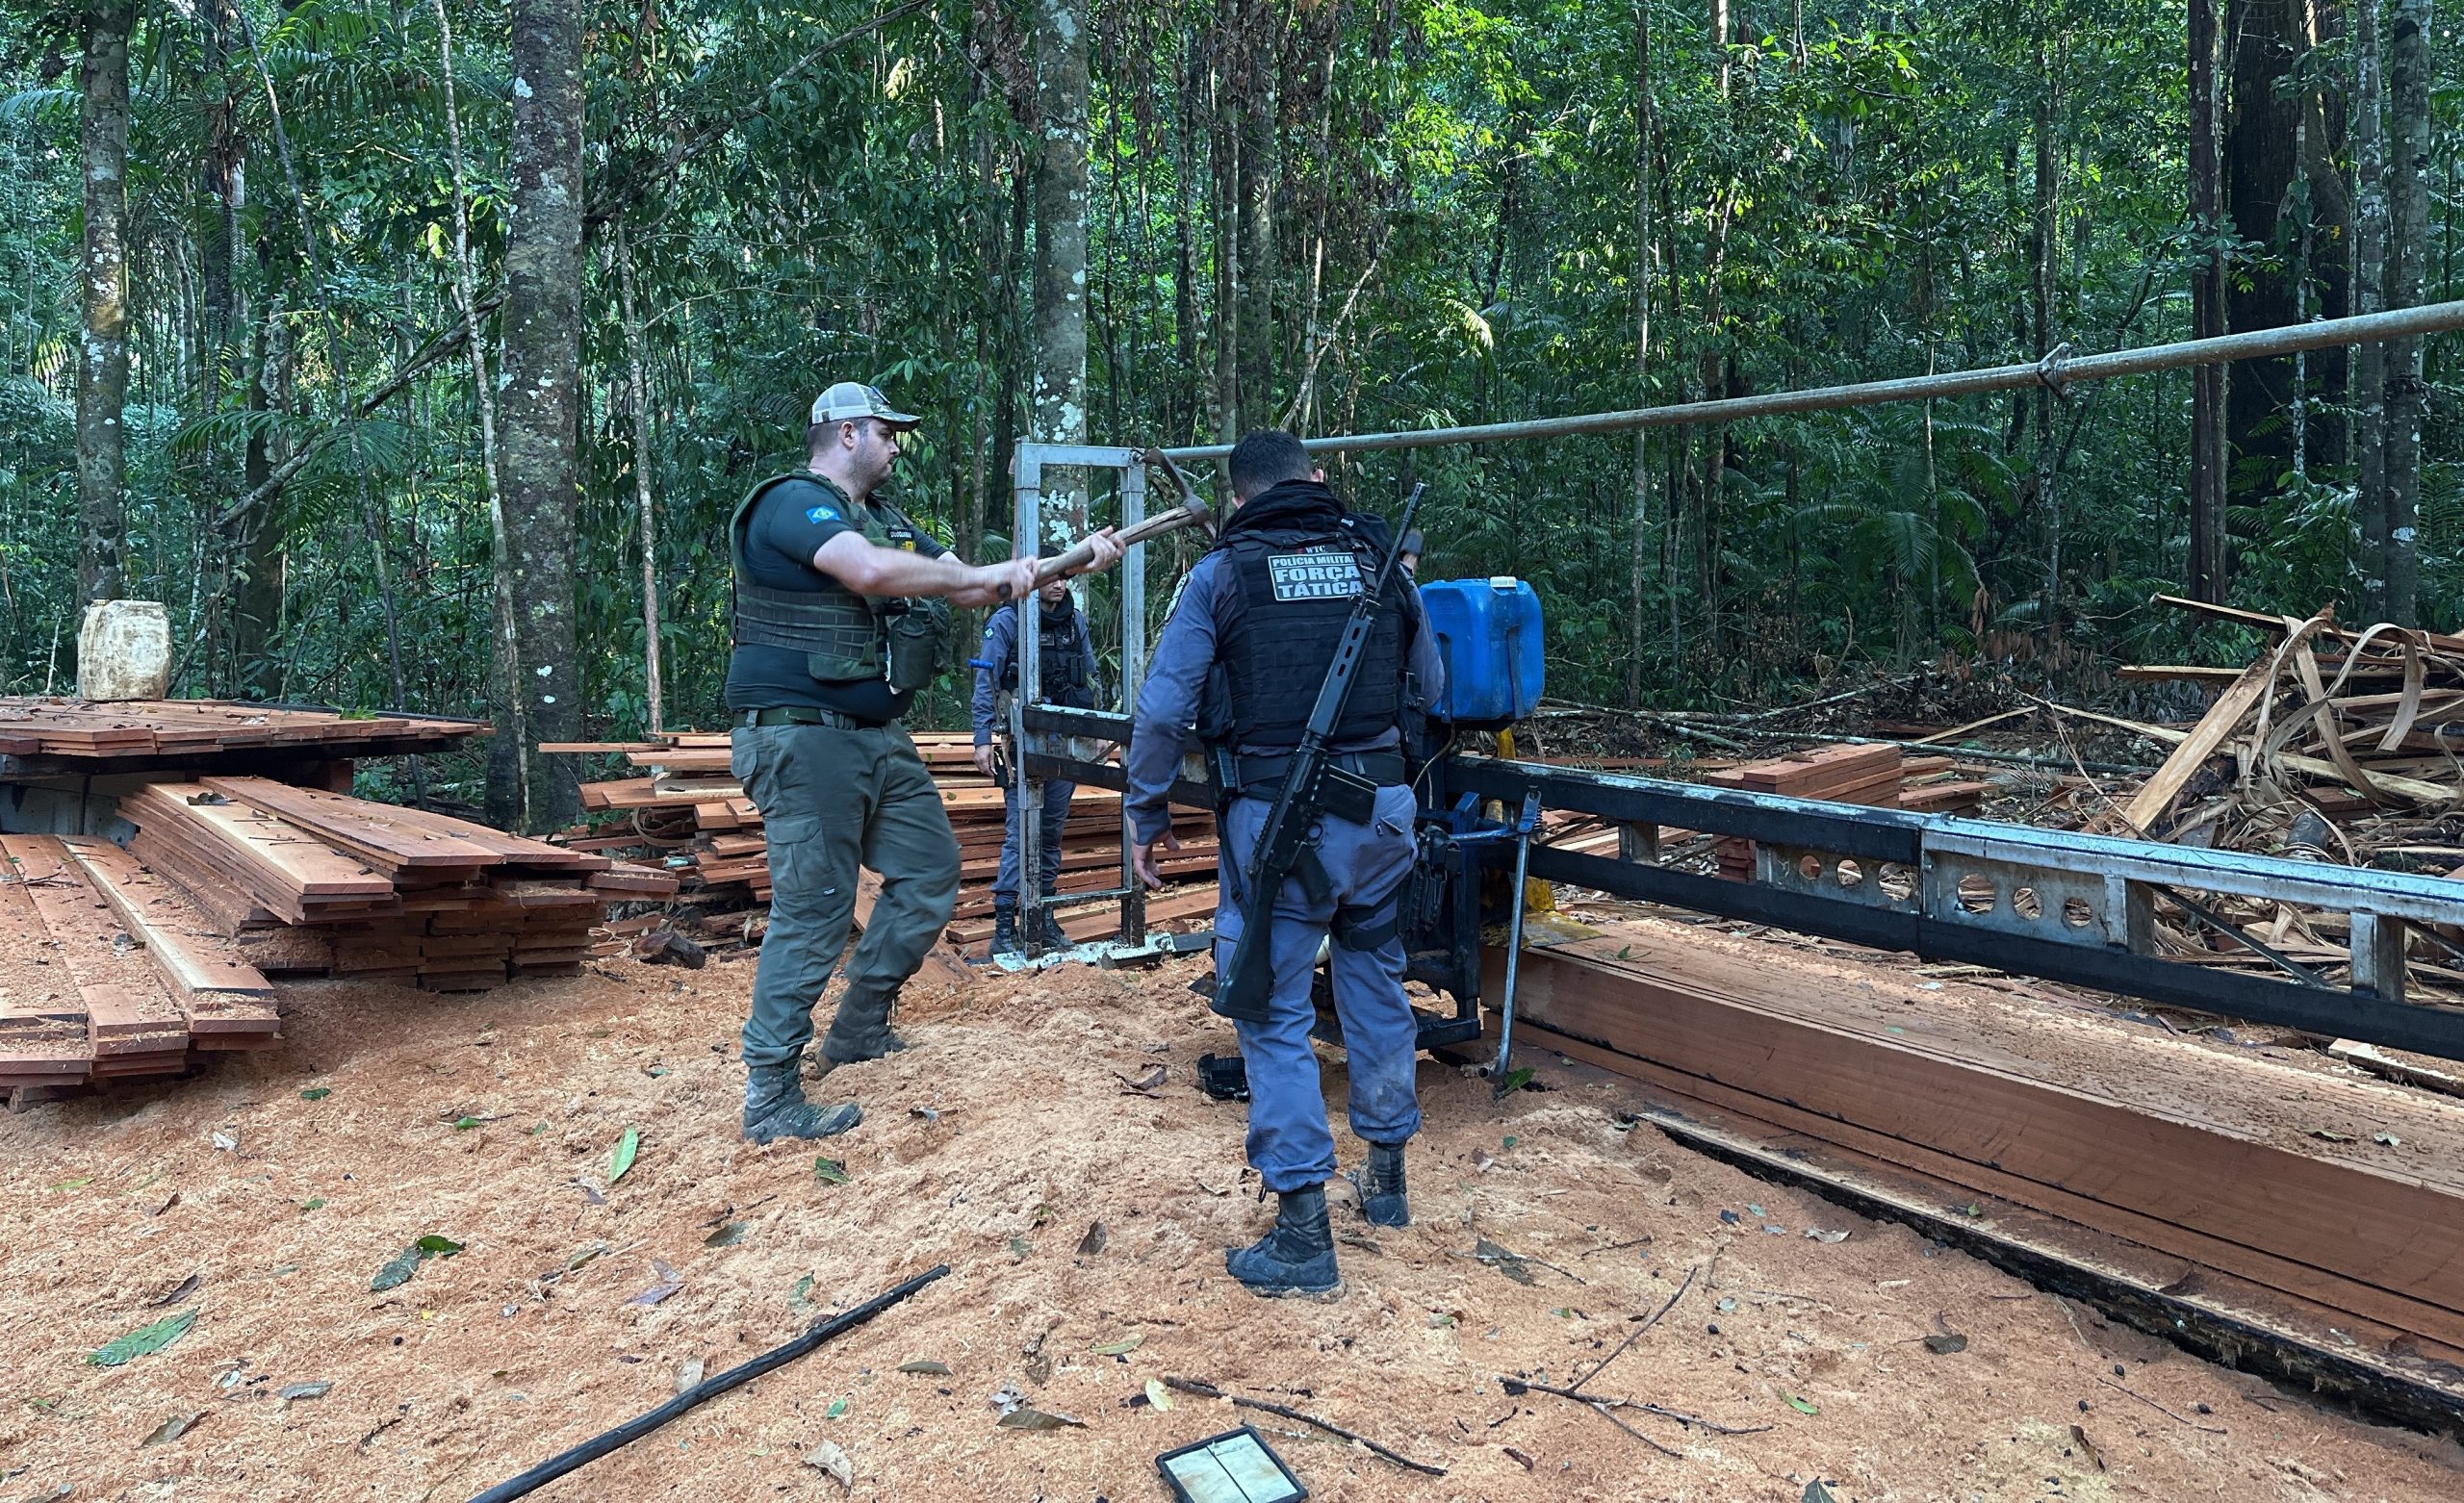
[(918, 642)]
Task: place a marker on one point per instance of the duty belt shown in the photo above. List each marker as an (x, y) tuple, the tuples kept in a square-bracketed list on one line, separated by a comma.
[(801, 714), (1349, 791)]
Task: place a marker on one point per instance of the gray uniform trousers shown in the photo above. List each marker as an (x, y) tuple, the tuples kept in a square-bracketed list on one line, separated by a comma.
[(1289, 1141), (1048, 833), (833, 800)]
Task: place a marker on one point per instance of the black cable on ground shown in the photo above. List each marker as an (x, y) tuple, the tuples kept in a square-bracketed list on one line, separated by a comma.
[(708, 1389)]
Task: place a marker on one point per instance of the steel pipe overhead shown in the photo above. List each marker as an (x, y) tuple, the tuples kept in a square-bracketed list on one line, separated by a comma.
[(2057, 370)]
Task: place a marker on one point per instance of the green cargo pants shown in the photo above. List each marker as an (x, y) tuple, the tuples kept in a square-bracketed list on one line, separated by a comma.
[(833, 800)]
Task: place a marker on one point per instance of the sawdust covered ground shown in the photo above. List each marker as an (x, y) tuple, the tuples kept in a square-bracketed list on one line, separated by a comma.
[(995, 1148)]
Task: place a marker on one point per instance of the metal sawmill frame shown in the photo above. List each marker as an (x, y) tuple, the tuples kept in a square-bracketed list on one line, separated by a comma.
[(1819, 865)]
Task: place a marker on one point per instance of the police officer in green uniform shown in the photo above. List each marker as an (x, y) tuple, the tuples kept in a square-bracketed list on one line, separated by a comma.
[(842, 612)]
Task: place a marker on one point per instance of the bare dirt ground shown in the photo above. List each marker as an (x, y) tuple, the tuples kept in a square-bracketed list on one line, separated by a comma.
[(995, 1147)]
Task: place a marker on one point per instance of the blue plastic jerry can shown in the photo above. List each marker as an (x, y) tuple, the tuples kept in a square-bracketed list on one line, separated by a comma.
[(1488, 632)]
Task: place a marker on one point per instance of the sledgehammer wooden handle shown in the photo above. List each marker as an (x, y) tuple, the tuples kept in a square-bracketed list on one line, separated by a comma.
[(1191, 510)]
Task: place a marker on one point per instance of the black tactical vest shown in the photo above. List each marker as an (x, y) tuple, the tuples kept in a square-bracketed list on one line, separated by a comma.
[(1293, 573), (1060, 660)]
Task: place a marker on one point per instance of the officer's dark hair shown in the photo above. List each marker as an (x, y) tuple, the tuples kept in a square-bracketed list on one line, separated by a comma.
[(1267, 457)]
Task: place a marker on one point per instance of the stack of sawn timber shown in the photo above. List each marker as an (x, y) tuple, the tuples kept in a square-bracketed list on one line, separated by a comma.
[(304, 881), (87, 730), (690, 792), (1867, 774), (132, 979)]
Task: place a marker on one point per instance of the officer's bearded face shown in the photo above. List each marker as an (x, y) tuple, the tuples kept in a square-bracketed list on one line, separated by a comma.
[(1055, 592), (877, 446)]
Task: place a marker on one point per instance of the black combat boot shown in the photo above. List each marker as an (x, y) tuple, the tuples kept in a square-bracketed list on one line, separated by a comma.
[(1049, 932), (1381, 1186), (775, 1106), (1297, 1259), (861, 1031), (1005, 929)]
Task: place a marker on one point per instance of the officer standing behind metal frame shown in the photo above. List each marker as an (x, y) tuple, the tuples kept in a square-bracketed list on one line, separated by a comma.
[(1240, 664), (841, 617), (1066, 672)]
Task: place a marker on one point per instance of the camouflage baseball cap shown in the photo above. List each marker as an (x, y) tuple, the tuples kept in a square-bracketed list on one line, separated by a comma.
[(854, 399)]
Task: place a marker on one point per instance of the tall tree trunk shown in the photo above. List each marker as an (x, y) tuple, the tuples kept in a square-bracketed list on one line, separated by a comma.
[(507, 655), (1224, 82), (1261, 153), (1185, 399), (256, 598), (2369, 284), (102, 367), (2260, 165), (2044, 247), (2408, 166), (2207, 556), (1059, 403), (2329, 259), (1642, 347), (638, 403), (541, 381)]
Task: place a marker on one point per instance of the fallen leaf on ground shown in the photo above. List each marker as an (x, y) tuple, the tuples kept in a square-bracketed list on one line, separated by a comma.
[(1818, 1235), (1158, 1395), (1144, 1085), (726, 1237), (828, 1171), (2090, 1446), (1514, 1266), (827, 1458), (926, 1365), (316, 1389), (669, 1282), (143, 1339), (187, 1287), (837, 1410), (1093, 1241), (1801, 1405), (1519, 1457), (1816, 1492), (173, 1428), (1946, 1344), (316, 1093), (1025, 1418), (621, 1159), (688, 1374), (1121, 1348)]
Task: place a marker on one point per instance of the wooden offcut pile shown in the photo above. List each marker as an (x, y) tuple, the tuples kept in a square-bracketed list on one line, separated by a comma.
[(689, 804), (305, 880)]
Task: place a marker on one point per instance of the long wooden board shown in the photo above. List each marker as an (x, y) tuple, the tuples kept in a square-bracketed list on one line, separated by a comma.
[(2378, 1243)]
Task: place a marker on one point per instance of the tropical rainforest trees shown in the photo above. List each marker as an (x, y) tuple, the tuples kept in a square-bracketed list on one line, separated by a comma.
[(469, 390)]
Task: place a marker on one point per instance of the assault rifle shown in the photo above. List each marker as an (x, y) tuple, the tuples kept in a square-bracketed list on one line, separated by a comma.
[(1242, 989)]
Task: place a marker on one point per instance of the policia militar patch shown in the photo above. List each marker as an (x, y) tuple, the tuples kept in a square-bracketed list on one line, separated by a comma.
[(1324, 574)]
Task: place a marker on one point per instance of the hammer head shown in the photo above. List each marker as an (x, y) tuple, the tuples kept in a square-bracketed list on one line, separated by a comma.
[(1191, 500)]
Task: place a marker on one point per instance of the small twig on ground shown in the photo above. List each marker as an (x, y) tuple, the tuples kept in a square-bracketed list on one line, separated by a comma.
[(1615, 1247), (1685, 1418), (1638, 1332), (1208, 1391), (1605, 1409), (2159, 1408)]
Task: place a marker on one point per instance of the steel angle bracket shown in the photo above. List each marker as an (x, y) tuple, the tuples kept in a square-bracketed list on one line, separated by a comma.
[(2052, 904)]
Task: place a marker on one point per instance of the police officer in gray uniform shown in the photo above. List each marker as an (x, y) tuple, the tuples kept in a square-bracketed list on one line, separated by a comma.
[(1065, 676), (841, 614), (1239, 665)]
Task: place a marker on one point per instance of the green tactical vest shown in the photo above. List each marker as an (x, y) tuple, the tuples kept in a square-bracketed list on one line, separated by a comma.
[(839, 631)]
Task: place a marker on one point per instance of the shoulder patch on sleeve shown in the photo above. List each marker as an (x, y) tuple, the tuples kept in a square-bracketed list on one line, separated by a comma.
[(822, 514)]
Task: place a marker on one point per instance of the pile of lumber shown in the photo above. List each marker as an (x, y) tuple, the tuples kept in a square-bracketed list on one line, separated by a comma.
[(130, 978), (687, 802), (1878, 775), (69, 733), (304, 881)]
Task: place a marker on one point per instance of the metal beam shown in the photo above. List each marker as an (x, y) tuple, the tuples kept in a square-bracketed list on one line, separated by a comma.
[(2056, 370)]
